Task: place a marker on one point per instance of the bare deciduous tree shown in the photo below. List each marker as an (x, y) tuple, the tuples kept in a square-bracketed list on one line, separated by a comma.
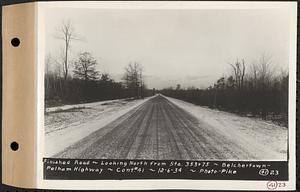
[(133, 78), (48, 63), (84, 67), (264, 68), (261, 72), (105, 77), (66, 34), (239, 72)]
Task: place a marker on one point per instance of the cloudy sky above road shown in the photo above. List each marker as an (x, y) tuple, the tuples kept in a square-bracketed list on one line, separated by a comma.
[(189, 47)]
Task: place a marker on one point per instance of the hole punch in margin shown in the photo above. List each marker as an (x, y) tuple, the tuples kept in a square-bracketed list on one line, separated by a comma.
[(14, 146), (15, 42)]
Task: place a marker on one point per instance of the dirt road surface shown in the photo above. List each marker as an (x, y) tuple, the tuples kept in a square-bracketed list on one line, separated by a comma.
[(158, 129)]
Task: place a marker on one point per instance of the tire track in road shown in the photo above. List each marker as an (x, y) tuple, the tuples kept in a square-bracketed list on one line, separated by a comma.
[(129, 138), (117, 143), (220, 147), (177, 146), (139, 139), (195, 141), (166, 146), (157, 138), (87, 146), (145, 148)]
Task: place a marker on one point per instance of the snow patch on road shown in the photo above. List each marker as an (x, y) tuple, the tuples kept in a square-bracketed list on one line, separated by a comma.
[(264, 139), (67, 124)]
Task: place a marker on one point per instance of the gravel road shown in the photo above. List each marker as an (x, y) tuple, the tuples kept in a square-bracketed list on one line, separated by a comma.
[(158, 129)]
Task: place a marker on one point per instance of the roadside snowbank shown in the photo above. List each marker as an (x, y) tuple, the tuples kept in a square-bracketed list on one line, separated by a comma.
[(257, 136), (65, 125), (93, 104)]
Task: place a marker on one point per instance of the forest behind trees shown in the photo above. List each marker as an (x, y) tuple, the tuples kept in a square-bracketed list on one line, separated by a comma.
[(89, 85), (256, 90), (85, 83)]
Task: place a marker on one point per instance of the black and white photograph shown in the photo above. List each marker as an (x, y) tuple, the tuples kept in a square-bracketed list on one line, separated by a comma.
[(167, 84)]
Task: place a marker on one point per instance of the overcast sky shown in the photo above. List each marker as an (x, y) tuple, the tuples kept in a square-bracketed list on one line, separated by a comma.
[(189, 47)]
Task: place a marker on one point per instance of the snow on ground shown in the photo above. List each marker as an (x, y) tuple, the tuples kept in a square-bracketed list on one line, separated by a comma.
[(66, 107), (258, 136), (67, 124)]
